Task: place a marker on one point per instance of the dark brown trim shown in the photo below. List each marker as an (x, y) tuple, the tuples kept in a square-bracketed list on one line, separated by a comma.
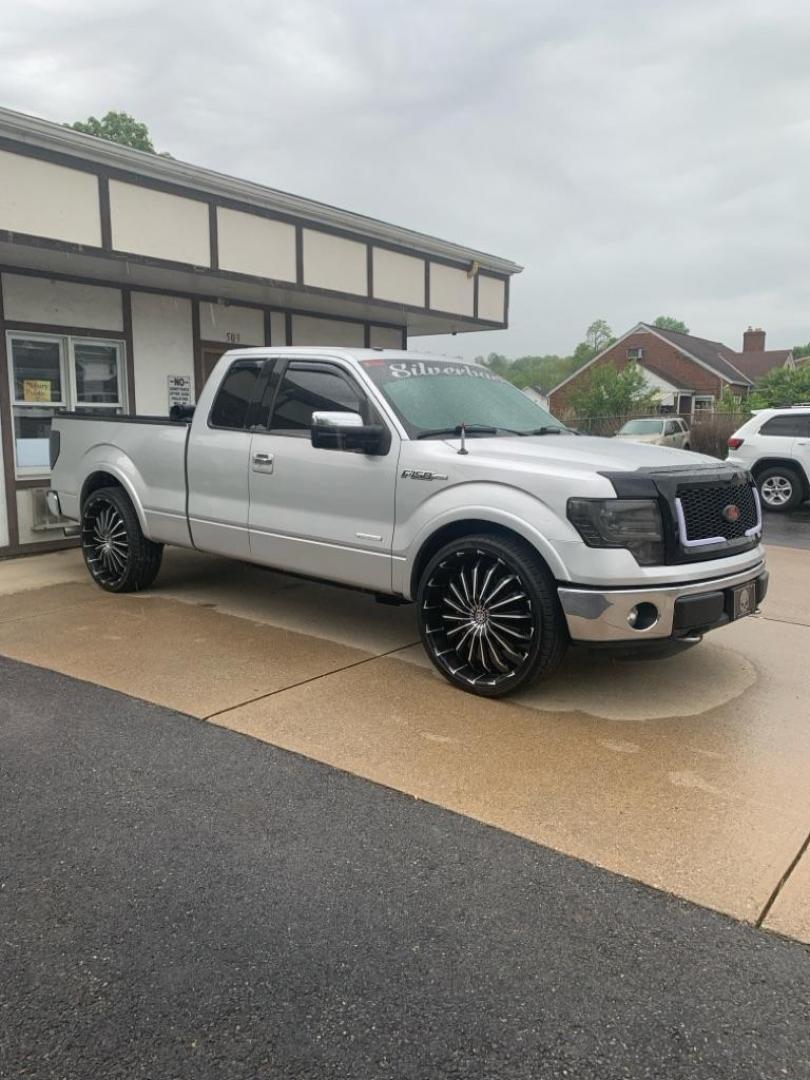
[(196, 348), (268, 328), (199, 195), (225, 275), (404, 337), (7, 426), (506, 302), (288, 327), (104, 211), (475, 295), (126, 312), (200, 297), (367, 335), (15, 326), (105, 283), (370, 271), (299, 256), (213, 235)]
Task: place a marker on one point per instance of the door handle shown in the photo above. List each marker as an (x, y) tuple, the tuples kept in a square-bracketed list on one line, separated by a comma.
[(262, 463)]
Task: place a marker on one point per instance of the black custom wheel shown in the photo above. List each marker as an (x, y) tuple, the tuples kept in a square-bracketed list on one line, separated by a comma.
[(489, 615), (118, 555), (779, 488)]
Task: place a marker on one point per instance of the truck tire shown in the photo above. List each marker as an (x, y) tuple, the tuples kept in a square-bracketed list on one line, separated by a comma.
[(489, 615), (117, 554), (780, 488)]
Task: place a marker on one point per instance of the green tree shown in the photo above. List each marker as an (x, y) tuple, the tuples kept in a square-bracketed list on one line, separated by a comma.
[(781, 386), (496, 362), (610, 391), (599, 335), (118, 127), (667, 322), (801, 350)]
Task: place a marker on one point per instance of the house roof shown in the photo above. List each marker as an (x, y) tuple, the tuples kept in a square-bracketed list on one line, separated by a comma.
[(756, 364), (714, 354), (63, 140), (675, 383)]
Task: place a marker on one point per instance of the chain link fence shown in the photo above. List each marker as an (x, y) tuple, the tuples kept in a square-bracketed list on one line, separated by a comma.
[(709, 432)]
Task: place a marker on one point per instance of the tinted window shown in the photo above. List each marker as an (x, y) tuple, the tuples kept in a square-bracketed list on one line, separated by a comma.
[(305, 390), (235, 395), (672, 428), (794, 425)]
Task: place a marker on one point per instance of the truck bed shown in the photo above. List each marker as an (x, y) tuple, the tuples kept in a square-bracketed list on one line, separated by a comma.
[(145, 454)]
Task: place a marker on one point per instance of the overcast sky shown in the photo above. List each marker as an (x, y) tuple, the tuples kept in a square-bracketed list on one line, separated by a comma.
[(638, 158)]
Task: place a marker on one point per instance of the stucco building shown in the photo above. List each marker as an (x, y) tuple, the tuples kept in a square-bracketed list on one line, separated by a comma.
[(125, 275)]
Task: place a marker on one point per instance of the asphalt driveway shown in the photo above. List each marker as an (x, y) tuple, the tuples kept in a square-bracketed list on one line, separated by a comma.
[(689, 774), (180, 901)]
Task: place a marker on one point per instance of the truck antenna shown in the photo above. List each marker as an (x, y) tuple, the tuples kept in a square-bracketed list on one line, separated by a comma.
[(463, 432)]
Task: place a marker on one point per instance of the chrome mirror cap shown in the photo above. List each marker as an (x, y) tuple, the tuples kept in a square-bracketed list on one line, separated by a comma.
[(337, 420)]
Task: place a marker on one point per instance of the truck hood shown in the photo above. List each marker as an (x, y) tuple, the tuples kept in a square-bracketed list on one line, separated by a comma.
[(586, 453)]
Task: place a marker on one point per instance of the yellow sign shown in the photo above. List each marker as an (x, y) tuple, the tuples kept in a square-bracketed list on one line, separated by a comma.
[(36, 389)]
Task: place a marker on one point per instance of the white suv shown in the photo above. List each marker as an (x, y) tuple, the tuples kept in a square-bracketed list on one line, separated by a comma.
[(775, 445)]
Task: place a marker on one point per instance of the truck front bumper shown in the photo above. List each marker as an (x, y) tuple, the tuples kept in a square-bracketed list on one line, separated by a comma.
[(658, 612)]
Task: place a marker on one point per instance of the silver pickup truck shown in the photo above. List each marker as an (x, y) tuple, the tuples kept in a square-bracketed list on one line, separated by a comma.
[(427, 480)]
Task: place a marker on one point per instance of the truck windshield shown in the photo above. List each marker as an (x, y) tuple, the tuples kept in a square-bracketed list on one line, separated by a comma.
[(437, 396)]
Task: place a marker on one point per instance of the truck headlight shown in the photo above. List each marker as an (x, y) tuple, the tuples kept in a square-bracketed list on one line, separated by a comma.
[(634, 524)]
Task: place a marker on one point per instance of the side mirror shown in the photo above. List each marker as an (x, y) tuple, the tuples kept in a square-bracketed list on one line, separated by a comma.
[(346, 431)]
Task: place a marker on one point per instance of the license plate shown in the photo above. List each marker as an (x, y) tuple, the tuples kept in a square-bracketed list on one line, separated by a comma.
[(745, 599)]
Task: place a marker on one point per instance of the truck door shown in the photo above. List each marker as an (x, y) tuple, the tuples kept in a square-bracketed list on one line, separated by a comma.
[(218, 456), (322, 512)]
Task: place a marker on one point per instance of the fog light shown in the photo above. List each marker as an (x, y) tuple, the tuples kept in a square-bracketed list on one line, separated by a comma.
[(643, 616)]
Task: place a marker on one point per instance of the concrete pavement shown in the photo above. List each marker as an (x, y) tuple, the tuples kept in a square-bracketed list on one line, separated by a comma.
[(180, 901), (689, 774)]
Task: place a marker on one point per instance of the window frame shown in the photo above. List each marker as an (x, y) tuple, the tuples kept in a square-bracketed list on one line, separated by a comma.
[(266, 366), (710, 398), (303, 364), (635, 352), (801, 420), (68, 399), (120, 372)]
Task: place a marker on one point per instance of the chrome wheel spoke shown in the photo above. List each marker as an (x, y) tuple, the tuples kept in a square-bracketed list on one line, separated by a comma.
[(106, 543), (478, 618)]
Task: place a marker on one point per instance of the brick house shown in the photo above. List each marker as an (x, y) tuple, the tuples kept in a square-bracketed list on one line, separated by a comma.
[(689, 373)]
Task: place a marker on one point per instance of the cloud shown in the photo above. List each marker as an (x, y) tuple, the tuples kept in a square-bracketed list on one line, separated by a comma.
[(638, 158)]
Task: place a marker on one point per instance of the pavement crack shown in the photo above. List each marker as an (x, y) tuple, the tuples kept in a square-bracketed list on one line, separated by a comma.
[(782, 882), (312, 679)]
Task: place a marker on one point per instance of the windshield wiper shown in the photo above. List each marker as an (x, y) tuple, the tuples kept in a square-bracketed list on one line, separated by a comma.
[(469, 429), (543, 431)]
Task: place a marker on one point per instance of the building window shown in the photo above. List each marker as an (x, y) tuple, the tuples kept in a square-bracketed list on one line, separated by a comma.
[(636, 353), (48, 373), (704, 403)]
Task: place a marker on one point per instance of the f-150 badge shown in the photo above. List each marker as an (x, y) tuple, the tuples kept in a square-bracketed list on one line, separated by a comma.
[(422, 474)]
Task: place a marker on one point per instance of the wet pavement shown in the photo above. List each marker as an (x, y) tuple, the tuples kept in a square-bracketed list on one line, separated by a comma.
[(689, 774), (181, 901), (790, 530)]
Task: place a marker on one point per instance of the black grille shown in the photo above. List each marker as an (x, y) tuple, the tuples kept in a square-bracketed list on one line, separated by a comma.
[(703, 506)]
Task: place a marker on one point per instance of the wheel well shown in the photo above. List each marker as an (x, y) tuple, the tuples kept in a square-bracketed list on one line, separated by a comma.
[(455, 531), (98, 480), (782, 463)]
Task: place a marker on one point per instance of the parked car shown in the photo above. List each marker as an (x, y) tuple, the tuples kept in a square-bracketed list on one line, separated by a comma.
[(657, 430), (775, 445), (427, 480)]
